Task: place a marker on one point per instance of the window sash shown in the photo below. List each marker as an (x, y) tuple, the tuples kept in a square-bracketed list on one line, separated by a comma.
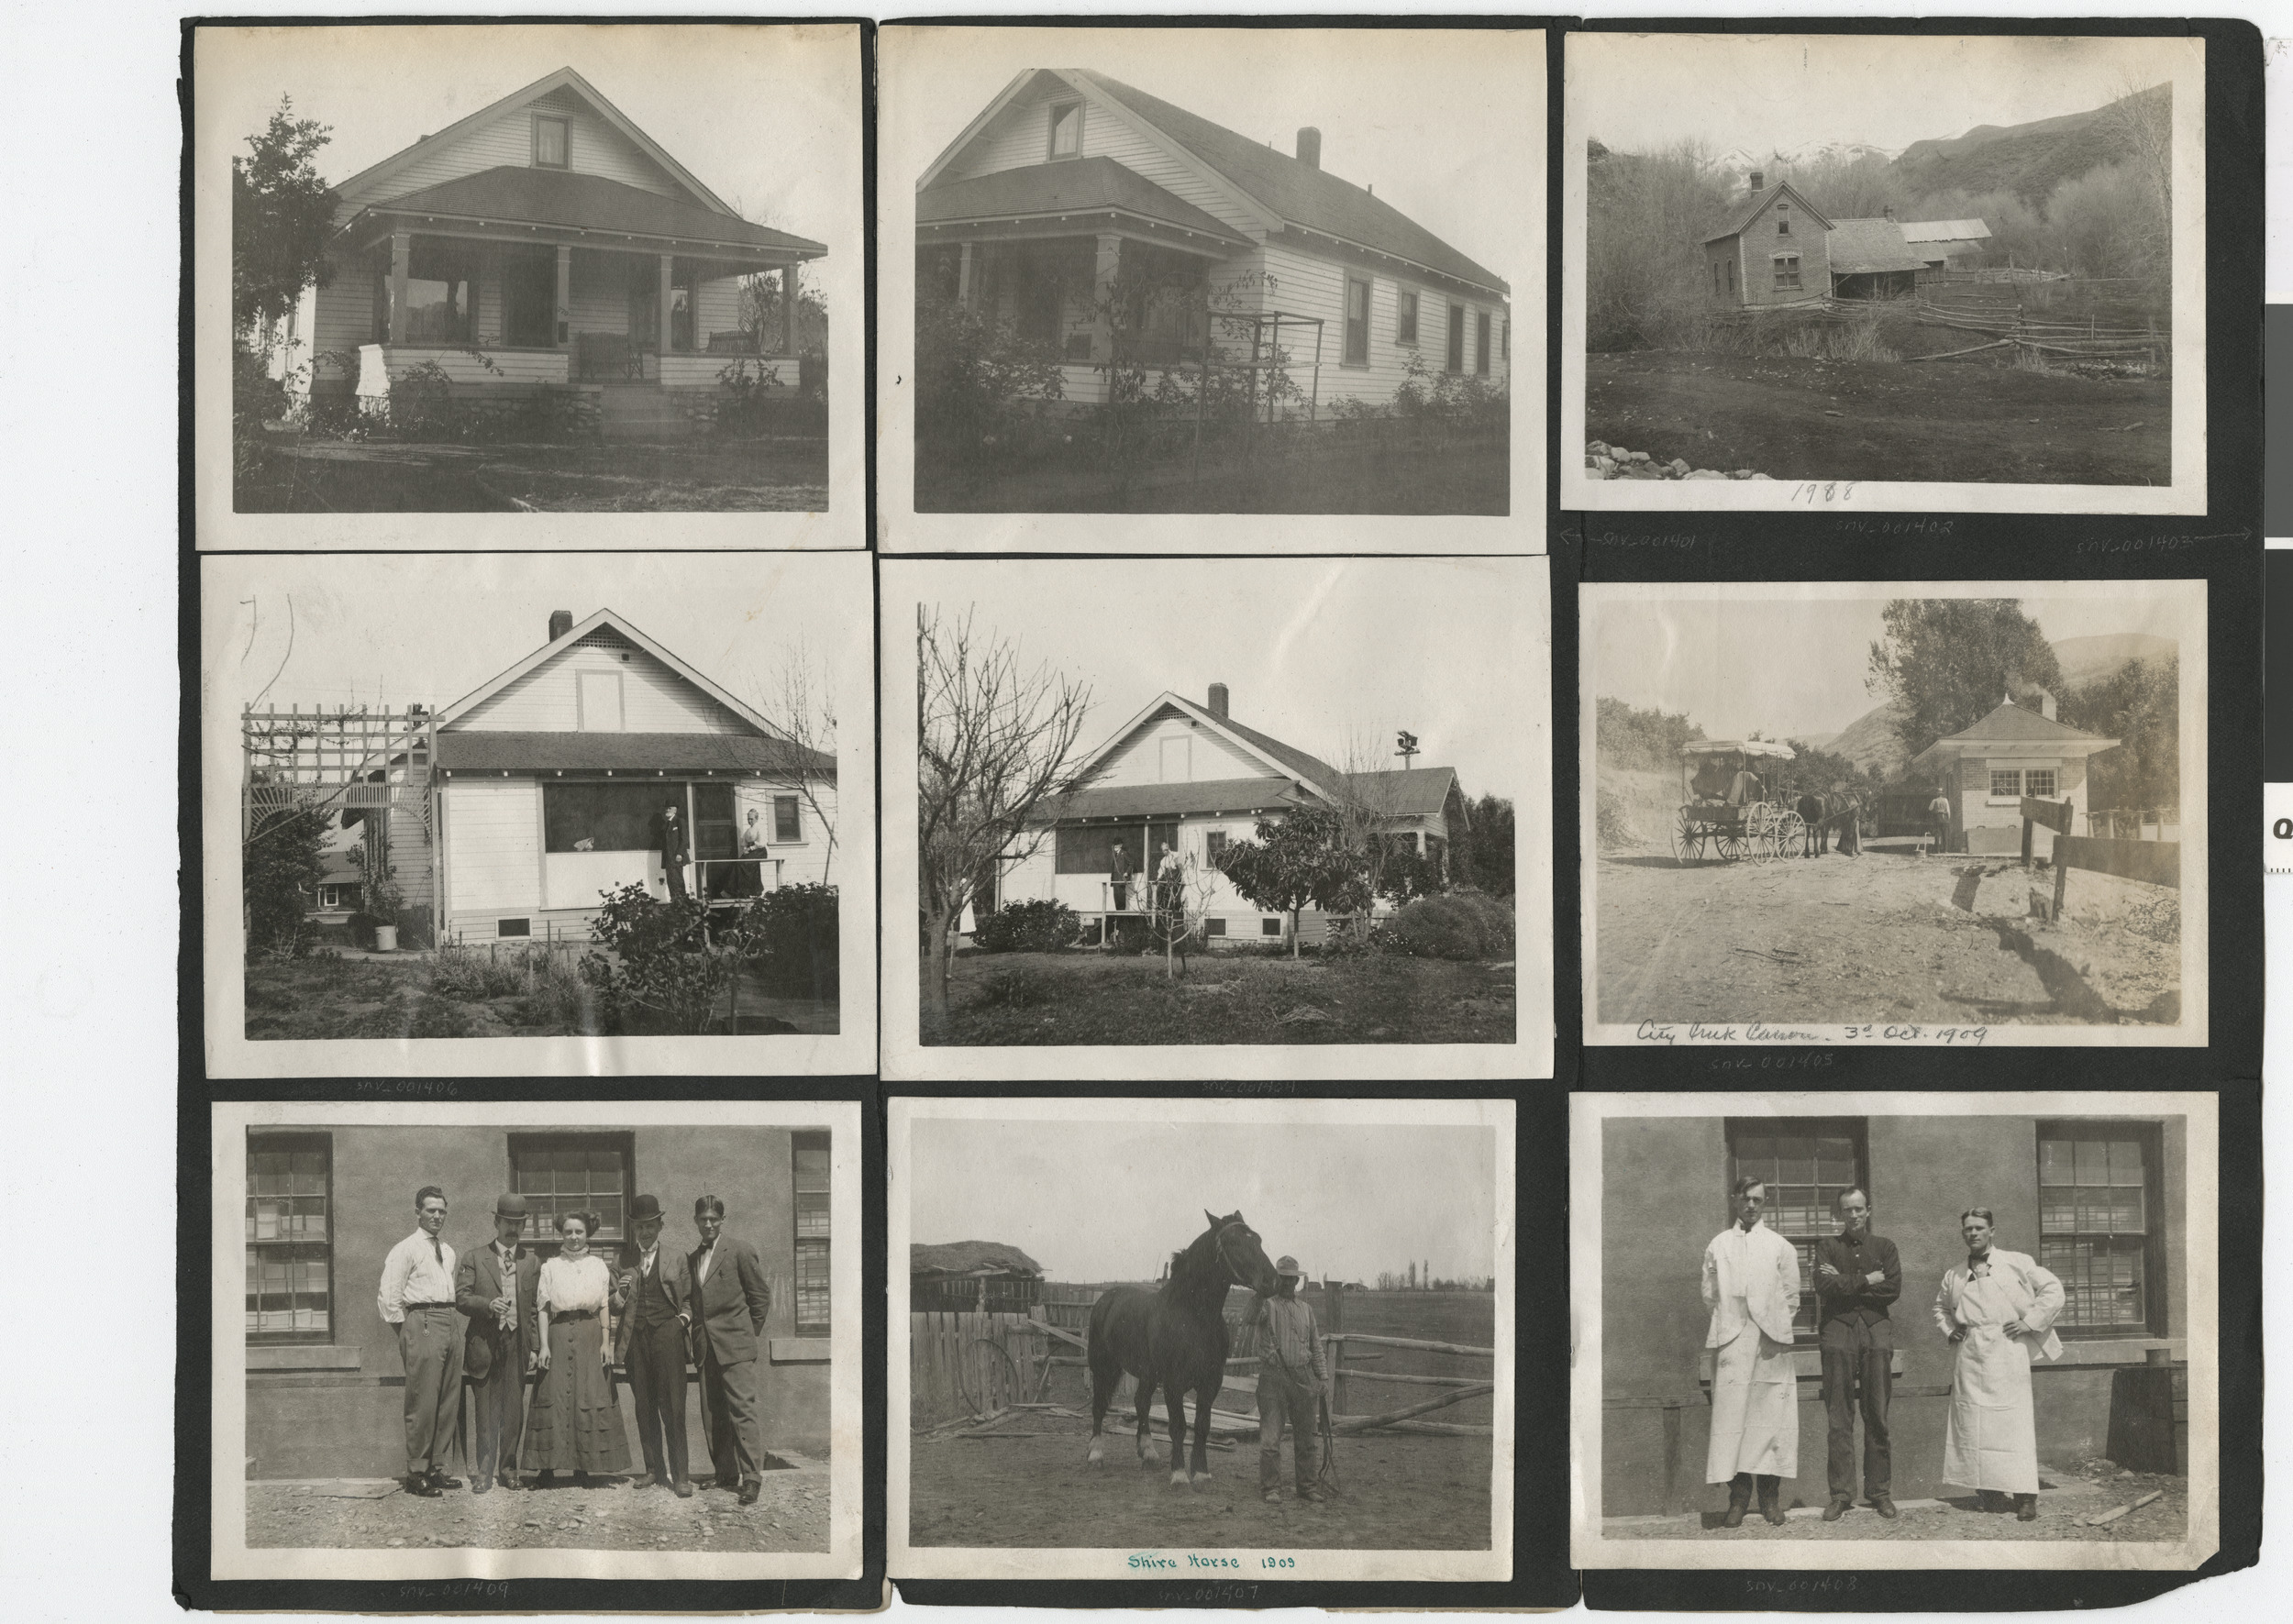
[(1456, 339), (1405, 317), (1356, 322), (570, 1173), (2006, 782), (1067, 131), (2039, 782), (1807, 1163), (553, 142), (289, 1238), (1480, 344), (2097, 1224)]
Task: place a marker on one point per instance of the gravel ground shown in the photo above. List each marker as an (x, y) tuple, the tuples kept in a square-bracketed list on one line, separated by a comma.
[(2064, 1500), (792, 1515)]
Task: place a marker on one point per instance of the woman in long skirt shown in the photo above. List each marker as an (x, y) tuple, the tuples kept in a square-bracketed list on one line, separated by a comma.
[(573, 1423)]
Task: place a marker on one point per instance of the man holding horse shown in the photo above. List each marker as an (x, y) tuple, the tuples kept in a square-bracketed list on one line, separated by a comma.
[(1291, 1379)]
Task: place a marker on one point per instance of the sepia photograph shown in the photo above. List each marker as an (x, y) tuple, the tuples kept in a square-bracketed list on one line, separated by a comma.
[(1884, 272), (1209, 271), (1996, 1312), (583, 271), (1955, 813), (1327, 1290), (506, 1341), (488, 813), (1224, 844)]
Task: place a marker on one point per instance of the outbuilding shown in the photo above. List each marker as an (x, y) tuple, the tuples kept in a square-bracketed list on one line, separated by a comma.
[(1985, 770)]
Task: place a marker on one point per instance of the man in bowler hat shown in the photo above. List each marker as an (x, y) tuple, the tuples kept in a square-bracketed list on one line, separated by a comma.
[(652, 1306), (730, 1300), (494, 1287)]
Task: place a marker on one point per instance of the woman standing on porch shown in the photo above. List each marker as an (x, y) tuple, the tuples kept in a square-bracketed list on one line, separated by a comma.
[(574, 1423)]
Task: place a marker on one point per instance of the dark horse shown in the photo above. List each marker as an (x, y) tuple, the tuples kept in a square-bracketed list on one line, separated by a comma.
[(1175, 1338), (1815, 812)]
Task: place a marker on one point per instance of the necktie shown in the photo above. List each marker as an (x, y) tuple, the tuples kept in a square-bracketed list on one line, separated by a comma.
[(437, 1250)]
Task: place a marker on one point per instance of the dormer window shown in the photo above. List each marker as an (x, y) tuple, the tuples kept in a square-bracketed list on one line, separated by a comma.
[(553, 142), (1067, 130), (1783, 219)]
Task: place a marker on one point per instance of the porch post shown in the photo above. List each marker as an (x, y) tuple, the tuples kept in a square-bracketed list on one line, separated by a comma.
[(400, 263), (668, 284), (788, 296), (967, 280), (563, 326), (1109, 267)]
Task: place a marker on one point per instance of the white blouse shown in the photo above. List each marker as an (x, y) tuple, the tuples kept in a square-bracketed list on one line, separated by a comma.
[(573, 1283)]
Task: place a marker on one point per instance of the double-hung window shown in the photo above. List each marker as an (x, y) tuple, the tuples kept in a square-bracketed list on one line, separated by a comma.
[(809, 1155), (553, 142), (1405, 316), (1456, 339), (1807, 1163), (1480, 344), (290, 1238), (2098, 1225), (1067, 131), (573, 1173), (1786, 272), (1357, 321)]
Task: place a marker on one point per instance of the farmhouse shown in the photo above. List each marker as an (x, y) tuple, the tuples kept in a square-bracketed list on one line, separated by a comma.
[(1191, 776), (2098, 1201), (1118, 229), (1986, 769), (324, 1206), (1778, 248), (544, 245), (973, 1277), (506, 814)]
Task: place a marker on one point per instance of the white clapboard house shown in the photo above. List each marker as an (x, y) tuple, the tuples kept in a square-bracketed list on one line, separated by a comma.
[(1073, 196), (1191, 776), (543, 243)]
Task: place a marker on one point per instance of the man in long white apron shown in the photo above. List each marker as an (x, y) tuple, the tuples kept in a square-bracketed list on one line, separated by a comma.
[(1752, 1286), (1999, 1311)]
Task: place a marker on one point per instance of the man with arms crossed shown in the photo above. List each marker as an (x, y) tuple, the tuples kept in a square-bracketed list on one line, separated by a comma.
[(1857, 1274), (417, 1298), (1752, 1286), (730, 1301), (1999, 1311)]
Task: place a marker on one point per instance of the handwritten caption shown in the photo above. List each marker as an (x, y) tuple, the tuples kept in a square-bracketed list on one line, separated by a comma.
[(1878, 527), (433, 1086), (1829, 490), (456, 1590), (1679, 539), (1753, 1032), (1151, 1561), (1253, 1085), (1840, 1586)]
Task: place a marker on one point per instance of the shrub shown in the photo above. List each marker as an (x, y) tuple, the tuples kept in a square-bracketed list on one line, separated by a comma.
[(1129, 935), (975, 379), (790, 936), (1042, 926), (658, 961), (279, 869), (1459, 924), (1613, 821)]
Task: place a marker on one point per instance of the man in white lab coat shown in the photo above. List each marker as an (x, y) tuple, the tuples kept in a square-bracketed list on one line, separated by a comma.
[(1999, 1311), (1752, 1286)]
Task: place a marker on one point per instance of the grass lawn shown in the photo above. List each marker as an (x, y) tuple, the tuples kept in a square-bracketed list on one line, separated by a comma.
[(1089, 997), (778, 475), (1471, 480)]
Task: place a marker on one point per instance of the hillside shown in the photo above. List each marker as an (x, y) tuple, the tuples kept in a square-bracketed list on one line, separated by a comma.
[(1871, 738), (2090, 659), (2028, 159)]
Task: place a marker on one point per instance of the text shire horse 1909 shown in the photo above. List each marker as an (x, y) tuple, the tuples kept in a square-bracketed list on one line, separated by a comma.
[(1175, 1338)]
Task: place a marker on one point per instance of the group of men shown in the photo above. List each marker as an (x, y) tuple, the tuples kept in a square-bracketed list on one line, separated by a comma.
[(472, 1321), (1998, 1310)]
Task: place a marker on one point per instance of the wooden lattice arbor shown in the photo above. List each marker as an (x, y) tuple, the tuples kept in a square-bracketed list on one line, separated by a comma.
[(368, 765)]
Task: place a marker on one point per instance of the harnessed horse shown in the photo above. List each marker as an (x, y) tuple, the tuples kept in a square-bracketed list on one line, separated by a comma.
[(1175, 1338)]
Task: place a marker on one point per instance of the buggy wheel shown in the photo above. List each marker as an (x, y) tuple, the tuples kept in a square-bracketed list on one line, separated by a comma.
[(1687, 839), (1731, 844)]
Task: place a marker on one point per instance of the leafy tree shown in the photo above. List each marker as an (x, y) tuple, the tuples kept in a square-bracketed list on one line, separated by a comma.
[(1485, 849), (2139, 705), (282, 214), (1631, 737), (1947, 662), (1299, 862), (279, 871)]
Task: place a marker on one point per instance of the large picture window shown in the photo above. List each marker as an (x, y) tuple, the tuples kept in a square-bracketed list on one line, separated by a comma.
[(2097, 1224), (1807, 1162), (809, 1154), (572, 1173), (605, 817), (290, 1238), (1092, 850)]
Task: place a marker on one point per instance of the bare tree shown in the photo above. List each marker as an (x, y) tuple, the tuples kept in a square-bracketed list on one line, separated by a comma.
[(993, 742), (800, 699), (1366, 799)]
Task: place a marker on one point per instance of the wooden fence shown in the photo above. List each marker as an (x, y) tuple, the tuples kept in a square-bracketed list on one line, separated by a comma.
[(2153, 862)]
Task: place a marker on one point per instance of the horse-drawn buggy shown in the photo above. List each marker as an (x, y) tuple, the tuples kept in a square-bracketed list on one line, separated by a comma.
[(1731, 807)]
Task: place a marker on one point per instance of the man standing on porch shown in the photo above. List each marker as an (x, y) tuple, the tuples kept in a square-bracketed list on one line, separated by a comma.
[(1119, 879), (1999, 1311), (670, 838), (1752, 1286)]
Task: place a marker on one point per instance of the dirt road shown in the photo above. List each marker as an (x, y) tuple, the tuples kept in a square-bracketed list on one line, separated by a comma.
[(1394, 1493), (1887, 937), (1800, 419)]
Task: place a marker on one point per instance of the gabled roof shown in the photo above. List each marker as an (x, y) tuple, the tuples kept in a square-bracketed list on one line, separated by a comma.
[(477, 749), (1759, 200), (366, 184), (1302, 194), (1861, 247), (1269, 793), (1413, 792), (1069, 187), (1945, 230), (970, 1258), (516, 195), (462, 707), (2013, 729)]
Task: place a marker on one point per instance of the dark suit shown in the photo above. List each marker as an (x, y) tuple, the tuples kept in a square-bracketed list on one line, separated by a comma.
[(1858, 1353), (730, 1308), (497, 1396), (650, 1342), (676, 849)]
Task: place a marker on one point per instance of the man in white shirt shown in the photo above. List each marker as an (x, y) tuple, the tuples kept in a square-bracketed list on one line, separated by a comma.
[(418, 1296), (1751, 1284)]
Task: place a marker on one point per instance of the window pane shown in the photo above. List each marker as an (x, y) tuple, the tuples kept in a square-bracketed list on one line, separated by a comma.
[(605, 817), (1755, 1155), (606, 1161), (1835, 1161), (786, 824), (1795, 1158), (2093, 1161), (2054, 1161), (550, 142), (2125, 1162)]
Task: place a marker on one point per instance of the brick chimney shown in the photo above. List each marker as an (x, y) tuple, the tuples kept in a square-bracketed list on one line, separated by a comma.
[(561, 623), (1759, 181), (1218, 700), (1309, 147)]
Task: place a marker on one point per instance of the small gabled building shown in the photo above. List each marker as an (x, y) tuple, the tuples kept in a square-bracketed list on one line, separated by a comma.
[(1773, 251), (972, 1277), (543, 243), (1947, 245), (1112, 227), (1191, 776), (1985, 770), (1870, 259)]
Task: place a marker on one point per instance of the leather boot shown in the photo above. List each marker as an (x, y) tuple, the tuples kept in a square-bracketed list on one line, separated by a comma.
[(1770, 1499), (1739, 1500), (2026, 1507)]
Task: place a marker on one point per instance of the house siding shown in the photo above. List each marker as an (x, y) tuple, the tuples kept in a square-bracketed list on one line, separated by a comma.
[(492, 850), (654, 698), (1303, 284), (1140, 758), (806, 862), (341, 322), (350, 1423), (1985, 828), (1755, 246), (597, 148)]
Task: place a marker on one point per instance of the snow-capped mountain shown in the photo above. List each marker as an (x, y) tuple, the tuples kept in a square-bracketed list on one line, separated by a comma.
[(1778, 161)]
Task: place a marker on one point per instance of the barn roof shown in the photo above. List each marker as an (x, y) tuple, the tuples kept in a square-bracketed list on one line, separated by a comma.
[(970, 1257), (1759, 200), (485, 750), (1304, 195), (1069, 187), (1861, 246), (1945, 230), (517, 194)]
